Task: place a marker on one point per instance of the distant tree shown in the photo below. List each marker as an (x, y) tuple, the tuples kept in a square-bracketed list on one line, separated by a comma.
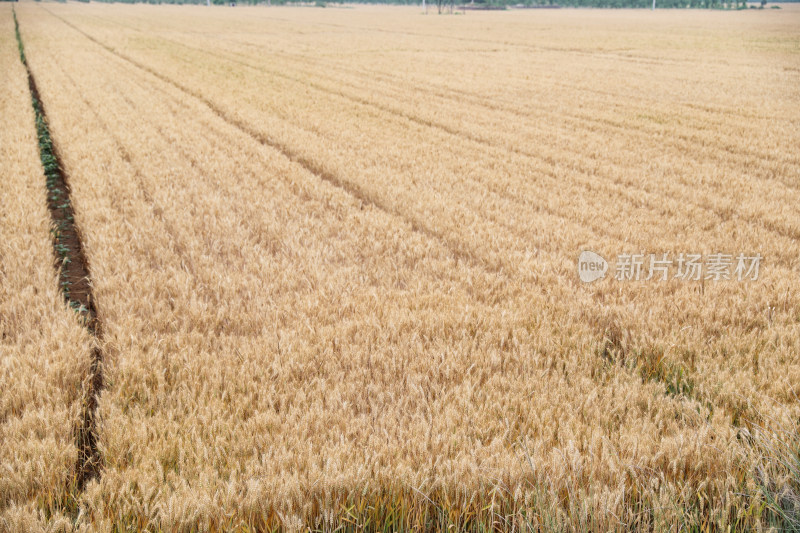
[(442, 4)]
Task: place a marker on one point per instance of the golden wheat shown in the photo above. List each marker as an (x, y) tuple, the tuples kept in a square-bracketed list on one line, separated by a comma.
[(334, 254)]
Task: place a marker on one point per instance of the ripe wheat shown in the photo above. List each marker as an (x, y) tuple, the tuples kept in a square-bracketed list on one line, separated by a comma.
[(334, 254)]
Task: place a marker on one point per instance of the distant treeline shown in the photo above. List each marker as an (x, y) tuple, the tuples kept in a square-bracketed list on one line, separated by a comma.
[(706, 4)]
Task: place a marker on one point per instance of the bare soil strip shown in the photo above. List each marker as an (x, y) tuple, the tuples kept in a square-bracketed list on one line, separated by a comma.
[(73, 276)]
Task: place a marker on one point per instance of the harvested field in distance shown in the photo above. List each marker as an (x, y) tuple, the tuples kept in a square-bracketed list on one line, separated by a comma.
[(335, 255)]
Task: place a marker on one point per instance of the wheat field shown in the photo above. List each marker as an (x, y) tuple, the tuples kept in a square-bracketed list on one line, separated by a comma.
[(334, 255)]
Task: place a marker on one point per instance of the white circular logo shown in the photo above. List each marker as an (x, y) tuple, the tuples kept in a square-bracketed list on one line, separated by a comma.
[(591, 266)]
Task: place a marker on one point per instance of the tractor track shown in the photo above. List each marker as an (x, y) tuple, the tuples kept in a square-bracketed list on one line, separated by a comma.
[(74, 278), (755, 221), (313, 167)]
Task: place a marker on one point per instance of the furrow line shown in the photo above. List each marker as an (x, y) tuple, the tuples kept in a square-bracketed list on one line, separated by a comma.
[(73, 276), (614, 187), (307, 163)]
